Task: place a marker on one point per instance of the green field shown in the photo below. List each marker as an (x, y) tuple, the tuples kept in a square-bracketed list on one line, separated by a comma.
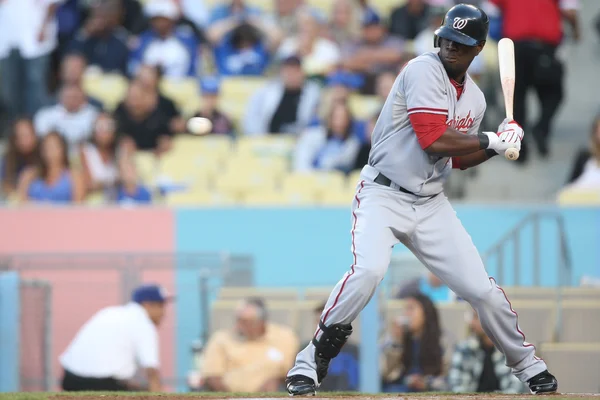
[(282, 396)]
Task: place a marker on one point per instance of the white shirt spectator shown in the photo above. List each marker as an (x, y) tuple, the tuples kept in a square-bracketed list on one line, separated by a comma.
[(313, 145), (171, 55), (263, 105), (589, 178), (111, 342), (196, 11), (21, 22), (76, 127), (101, 172), (325, 54)]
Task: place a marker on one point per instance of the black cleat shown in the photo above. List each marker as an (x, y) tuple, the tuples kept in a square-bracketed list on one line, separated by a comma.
[(300, 385), (544, 382)]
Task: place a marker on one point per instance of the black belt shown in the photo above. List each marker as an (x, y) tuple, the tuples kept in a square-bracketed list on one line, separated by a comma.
[(385, 181)]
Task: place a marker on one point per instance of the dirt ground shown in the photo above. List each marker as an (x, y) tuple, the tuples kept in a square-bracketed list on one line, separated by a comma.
[(336, 397)]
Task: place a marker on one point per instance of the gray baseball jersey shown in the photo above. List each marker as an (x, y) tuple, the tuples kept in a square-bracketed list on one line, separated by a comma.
[(423, 86)]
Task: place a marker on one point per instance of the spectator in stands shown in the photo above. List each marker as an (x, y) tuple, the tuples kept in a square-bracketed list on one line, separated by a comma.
[(150, 77), (140, 121), (252, 357), (134, 20), (196, 12), (173, 48), (585, 172), (21, 153), (339, 87), (98, 156), (537, 66), (285, 15), (221, 123), (408, 20), (418, 366), (428, 284), (477, 366), (423, 42), (29, 35), (130, 190), (343, 373), (332, 146), (377, 51), (234, 8), (106, 352), (72, 69), (344, 22), (243, 46), (101, 40), (285, 105), (52, 179), (319, 54), (73, 117)]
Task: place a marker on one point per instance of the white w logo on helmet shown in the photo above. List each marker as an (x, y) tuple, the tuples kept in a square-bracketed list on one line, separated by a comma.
[(459, 23)]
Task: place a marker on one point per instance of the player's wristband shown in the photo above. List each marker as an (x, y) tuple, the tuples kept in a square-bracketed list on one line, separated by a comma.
[(484, 141), (490, 153)]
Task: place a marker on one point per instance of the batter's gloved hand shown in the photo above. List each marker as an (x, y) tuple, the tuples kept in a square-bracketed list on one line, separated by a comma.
[(493, 141), (508, 124)]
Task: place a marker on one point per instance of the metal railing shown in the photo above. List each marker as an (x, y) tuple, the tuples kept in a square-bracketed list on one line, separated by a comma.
[(513, 237)]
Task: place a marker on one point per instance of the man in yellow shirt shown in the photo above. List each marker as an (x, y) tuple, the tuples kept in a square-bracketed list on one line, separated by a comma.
[(253, 357)]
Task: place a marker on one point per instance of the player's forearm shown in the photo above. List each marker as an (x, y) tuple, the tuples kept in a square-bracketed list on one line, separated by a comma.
[(475, 159), (153, 376), (453, 144)]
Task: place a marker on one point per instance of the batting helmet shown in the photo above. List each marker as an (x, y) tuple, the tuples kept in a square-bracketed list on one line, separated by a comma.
[(465, 24)]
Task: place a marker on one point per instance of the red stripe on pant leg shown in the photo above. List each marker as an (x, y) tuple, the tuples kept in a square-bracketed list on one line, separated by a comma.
[(362, 185), (516, 315)]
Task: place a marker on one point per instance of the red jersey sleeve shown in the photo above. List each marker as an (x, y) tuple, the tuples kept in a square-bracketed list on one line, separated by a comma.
[(428, 127)]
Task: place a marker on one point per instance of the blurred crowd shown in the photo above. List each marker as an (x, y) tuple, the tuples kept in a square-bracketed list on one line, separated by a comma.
[(64, 145), (415, 357)]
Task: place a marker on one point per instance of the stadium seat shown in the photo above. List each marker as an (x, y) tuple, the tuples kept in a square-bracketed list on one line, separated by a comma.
[(580, 293), (317, 293), (110, 89), (147, 166), (184, 92), (239, 182), (191, 170), (579, 197), (516, 293), (266, 146), (236, 93), (198, 198), (537, 319), (306, 318), (364, 107), (264, 198), (336, 198), (219, 146), (385, 7), (315, 183), (276, 166), (273, 294), (576, 365), (353, 179), (577, 314)]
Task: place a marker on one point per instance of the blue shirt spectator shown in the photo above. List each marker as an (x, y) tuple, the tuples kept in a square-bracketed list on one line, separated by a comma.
[(174, 49), (236, 8), (138, 195), (101, 40), (242, 52)]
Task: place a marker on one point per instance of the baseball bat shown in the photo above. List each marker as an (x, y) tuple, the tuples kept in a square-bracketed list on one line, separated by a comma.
[(506, 61)]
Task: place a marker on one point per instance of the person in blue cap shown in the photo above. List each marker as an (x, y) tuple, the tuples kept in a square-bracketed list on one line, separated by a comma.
[(209, 90), (107, 351)]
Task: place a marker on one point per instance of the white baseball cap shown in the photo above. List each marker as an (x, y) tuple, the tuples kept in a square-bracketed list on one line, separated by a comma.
[(162, 8)]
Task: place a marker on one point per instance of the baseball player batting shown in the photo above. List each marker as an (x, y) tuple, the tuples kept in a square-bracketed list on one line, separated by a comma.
[(428, 125)]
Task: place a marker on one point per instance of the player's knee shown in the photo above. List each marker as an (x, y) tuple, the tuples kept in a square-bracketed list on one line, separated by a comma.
[(480, 295), (373, 273)]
